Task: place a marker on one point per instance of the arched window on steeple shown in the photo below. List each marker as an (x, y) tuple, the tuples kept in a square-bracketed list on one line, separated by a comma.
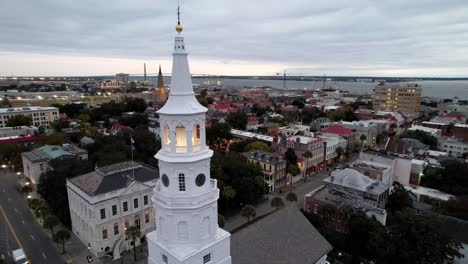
[(181, 139), (196, 138), (167, 139)]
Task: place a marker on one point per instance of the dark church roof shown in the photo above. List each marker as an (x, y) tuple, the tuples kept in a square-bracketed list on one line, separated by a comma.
[(284, 236), (114, 177)]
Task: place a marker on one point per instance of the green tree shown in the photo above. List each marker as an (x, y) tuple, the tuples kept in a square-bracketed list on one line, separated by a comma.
[(55, 139), (62, 236), (50, 221), (26, 189), (257, 145), (237, 120), (221, 221), (399, 199), (218, 133), (228, 194), (277, 202), (34, 203), (41, 211), (248, 212), (133, 233), (291, 197), (421, 136), (290, 156), (134, 105), (299, 103), (134, 120), (339, 151), (423, 233), (52, 184), (19, 120), (450, 178)]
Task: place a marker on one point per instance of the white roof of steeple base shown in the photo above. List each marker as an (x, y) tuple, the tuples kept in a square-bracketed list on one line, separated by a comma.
[(182, 105)]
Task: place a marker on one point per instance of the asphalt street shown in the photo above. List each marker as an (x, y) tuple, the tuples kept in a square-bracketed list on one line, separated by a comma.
[(18, 228)]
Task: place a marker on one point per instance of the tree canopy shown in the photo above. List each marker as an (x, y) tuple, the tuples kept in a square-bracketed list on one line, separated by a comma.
[(399, 199), (19, 120), (233, 171), (257, 145), (237, 120), (248, 212), (422, 136), (450, 178), (52, 184)]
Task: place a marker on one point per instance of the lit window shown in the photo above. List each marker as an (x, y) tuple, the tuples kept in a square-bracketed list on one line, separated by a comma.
[(181, 136), (127, 224), (146, 217), (104, 232), (167, 139)]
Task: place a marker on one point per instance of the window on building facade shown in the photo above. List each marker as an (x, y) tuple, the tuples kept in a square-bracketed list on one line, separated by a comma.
[(181, 182), (127, 223), (146, 217), (164, 258), (116, 229), (206, 258), (103, 213), (166, 135), (135, 203), (104, 232), (145, 199), (125, 206), (114, 209)]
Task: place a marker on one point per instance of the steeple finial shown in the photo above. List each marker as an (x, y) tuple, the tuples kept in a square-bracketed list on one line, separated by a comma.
[(179, 26)]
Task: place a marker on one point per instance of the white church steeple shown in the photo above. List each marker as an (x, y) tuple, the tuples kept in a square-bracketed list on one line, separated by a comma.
[(185, 199)]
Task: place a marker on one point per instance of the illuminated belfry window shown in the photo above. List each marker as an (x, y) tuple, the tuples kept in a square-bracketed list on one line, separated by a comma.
[(181, 139), (167, 139), (196, 138)]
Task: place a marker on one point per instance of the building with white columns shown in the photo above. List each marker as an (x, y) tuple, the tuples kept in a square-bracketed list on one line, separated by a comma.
[(185, 198)]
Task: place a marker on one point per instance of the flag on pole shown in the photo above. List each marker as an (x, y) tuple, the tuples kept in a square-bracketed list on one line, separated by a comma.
[(132, 143)]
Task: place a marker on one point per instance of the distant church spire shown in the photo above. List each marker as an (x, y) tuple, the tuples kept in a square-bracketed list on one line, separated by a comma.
[(160, 88), (144, 69)]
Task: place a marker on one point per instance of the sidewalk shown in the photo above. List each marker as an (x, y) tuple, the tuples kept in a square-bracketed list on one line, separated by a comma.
[(75, 250), (264, 207)]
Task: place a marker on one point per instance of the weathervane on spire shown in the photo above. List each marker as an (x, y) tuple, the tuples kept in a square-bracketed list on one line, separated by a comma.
[(179, 26)]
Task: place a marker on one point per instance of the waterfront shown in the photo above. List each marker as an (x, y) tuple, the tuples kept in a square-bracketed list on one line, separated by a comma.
[(439, 89)]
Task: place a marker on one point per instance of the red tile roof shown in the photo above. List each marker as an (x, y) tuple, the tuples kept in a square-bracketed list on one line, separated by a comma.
[(337, 129)]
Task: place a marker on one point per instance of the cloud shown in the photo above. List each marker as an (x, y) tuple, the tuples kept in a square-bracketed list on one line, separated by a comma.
[(333, 37)]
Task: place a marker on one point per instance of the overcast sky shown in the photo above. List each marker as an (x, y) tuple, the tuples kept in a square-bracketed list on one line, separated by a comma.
[(236, 37)]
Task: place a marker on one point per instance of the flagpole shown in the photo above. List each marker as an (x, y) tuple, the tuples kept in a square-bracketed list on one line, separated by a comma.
[(133, 165)]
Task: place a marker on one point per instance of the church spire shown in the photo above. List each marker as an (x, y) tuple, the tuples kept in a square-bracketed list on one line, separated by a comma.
[(179, 27), (161, 90)]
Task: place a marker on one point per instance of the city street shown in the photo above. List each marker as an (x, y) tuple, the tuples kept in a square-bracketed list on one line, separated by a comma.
[(19, 228), (300, 188)]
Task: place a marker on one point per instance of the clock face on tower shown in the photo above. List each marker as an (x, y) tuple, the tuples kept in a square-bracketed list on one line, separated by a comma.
[(200, 180), (165, 180)]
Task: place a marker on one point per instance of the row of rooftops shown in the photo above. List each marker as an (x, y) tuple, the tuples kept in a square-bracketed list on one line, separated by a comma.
[(114, 177), (27, 109), (49, 152), (264, 156), (342, 199)]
